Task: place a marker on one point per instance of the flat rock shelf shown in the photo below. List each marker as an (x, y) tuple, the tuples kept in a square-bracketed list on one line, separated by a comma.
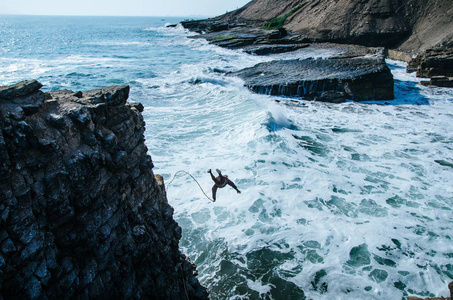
[(357, 78)]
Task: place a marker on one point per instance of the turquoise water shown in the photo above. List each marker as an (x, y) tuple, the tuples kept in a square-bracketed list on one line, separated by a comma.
[(339, 201)]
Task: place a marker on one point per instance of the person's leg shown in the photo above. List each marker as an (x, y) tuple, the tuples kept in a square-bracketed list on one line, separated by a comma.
[(230, 183), (214, 191)]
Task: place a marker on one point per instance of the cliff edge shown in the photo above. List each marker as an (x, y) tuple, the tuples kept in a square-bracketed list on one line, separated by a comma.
[(82, 213)]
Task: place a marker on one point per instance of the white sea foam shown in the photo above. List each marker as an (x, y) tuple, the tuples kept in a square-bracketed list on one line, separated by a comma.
[(343, 176), (340, 201)]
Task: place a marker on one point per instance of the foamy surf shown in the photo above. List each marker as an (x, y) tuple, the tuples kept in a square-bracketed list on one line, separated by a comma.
[(344, 201)]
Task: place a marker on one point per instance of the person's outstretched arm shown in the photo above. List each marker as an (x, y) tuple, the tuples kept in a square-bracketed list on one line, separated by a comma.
[(212, 176)]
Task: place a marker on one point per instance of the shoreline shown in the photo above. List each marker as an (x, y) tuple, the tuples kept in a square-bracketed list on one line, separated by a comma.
[(434, 64)]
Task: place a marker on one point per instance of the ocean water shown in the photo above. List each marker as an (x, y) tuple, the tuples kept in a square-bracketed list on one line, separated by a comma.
[(339, 201)]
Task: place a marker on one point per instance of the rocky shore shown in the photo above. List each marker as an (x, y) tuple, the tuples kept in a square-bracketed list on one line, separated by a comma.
[(329, 80), (82, 214), (420, 31), (435, 64), (359, 73)]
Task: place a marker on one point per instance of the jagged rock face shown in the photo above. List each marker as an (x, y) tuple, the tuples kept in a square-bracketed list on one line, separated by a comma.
[(82, 214), (434, 62), (409, 24), (358, 78)]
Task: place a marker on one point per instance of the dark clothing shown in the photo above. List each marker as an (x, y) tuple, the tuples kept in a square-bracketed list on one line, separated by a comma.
[(220, 182)]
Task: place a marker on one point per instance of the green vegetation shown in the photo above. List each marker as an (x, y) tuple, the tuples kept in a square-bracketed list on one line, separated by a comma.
[(277, 23), (224, 37)]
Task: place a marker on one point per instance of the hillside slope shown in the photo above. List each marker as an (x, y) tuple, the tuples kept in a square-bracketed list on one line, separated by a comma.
[(409, 25)]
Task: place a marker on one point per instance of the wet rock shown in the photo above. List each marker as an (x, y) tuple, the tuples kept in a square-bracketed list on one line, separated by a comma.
[(439, 81), (436, 64), (241, 37), (359, 78), (19, 90), (273, 49), (354, 73), (433, 62), (82, 213), (331, 97)]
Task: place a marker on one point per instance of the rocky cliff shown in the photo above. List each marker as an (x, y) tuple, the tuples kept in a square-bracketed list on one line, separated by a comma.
[(82, 214), (410, 25), (419, 31)]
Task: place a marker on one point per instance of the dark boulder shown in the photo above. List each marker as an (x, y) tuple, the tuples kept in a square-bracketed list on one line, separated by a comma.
[(436, 64), (433, 62), (331, 97), (439, 81)]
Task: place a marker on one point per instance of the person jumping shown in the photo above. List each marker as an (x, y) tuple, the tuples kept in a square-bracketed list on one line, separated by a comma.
[(220, 182)]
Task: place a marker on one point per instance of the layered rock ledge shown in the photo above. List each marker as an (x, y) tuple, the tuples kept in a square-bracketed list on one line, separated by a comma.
[(330, 80), (359, 74), (82, 214), (436, 64), (407, 28)]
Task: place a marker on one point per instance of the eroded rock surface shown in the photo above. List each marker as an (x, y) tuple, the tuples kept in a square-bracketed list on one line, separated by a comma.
[(332, 80), (410, 25), (410, 28), (82, 215), (436, 64)]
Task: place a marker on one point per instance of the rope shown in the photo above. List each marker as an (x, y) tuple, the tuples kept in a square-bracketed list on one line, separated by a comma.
[(182, 171)]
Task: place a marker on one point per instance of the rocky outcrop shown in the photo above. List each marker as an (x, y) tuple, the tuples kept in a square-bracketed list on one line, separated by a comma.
[(253, 40), (433, 62), (353, 75), (411, 28), (436, 64), (410, 25), (332, 80), (82, 214)]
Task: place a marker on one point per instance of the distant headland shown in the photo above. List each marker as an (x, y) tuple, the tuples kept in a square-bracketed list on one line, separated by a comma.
[(416, 31)]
